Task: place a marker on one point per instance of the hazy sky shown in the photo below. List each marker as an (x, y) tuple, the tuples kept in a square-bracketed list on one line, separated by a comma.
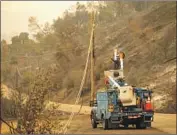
[(15, 14)]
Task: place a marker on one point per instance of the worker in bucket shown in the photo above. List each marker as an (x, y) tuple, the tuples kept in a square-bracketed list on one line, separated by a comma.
[(121, 57), (115, 59)]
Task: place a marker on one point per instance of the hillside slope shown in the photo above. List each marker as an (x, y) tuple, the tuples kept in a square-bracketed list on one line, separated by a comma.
[(148, 39)]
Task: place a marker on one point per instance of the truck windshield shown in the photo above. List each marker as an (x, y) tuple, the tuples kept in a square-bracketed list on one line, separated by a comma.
[(146, 94), (112, 96), (102, 96), (143, 93)]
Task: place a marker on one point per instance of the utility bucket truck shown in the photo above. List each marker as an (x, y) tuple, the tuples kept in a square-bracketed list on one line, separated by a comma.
[(121, 104)]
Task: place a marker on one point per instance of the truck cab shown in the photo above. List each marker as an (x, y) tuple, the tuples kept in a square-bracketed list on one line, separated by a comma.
[(106, 109)]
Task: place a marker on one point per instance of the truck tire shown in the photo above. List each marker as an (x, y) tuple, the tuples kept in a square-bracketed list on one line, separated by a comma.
[(94, 124), (141, 125), (105, 124), (126, 126), (148, 124), (93, 120), (138, 125)]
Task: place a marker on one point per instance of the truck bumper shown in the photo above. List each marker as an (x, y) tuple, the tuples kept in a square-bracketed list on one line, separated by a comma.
[(131, 117)]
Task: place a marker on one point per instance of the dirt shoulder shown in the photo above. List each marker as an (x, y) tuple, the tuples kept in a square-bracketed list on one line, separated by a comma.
[(165, 122)]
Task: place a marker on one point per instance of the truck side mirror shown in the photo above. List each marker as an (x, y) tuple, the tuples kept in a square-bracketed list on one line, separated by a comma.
[(95, 102)]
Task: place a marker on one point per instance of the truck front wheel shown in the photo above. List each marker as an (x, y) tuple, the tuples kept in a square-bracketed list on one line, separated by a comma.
[(141, 125), (126, 126), (105, 124), (94, 124)]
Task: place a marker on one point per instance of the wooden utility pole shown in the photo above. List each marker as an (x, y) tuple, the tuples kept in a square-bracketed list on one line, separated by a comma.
[(92, 58)]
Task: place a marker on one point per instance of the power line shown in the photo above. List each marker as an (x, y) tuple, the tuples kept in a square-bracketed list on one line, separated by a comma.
[(9, 125)]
